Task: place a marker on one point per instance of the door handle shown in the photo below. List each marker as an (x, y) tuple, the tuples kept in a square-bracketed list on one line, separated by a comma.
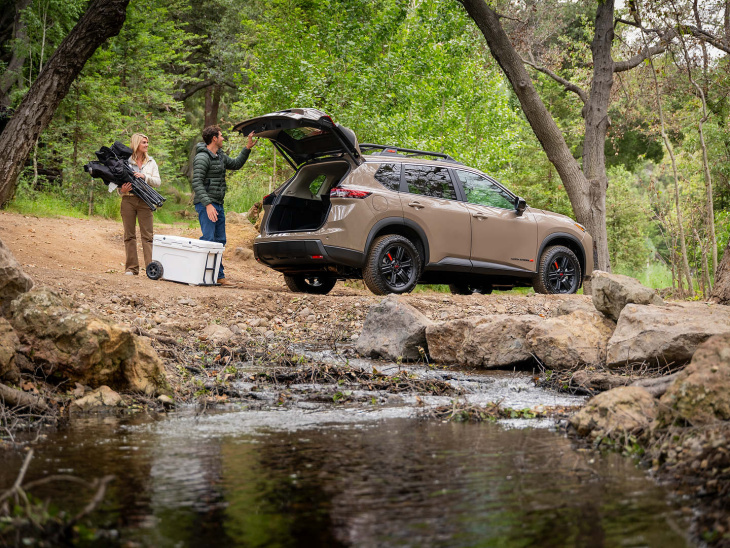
[(480, 216), (417, 205)]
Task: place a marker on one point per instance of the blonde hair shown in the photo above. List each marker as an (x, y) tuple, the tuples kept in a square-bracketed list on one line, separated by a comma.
[(134, 144)]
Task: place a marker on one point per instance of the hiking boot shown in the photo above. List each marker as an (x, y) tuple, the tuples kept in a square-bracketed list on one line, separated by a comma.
[(225, 283)]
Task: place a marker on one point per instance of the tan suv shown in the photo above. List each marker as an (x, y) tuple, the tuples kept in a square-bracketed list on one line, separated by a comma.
[(398, 217)]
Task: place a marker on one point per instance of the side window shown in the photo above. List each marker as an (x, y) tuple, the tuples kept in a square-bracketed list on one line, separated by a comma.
[(430, 181), (315, 185), (388, 175), (482, 191)]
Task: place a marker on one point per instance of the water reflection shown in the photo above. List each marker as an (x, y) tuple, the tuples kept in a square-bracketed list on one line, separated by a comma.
[(390, 482)]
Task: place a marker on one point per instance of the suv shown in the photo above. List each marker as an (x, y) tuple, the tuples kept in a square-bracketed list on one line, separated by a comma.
[(398, 217)]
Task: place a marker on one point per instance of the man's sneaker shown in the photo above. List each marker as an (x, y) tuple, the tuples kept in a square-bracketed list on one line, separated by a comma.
[(128, 273)]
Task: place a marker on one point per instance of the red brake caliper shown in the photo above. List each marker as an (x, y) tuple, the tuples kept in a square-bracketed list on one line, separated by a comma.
[(557, 268)]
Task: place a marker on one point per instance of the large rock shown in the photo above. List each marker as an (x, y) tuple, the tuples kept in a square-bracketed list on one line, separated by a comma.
[(612, 292), (616, 413), (13, 281), (393, 330), (578, 338), (486, 341), (567, 304), (99, 398), (701, 392), (83, 348), (217, 334), (661, 335), (9, 344)]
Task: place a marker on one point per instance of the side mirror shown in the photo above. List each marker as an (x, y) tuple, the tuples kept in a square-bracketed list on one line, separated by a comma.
[(520, 205)]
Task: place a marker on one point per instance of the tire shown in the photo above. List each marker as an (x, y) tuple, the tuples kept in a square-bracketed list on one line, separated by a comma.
[(558, 272), (469, 289), (393, 265), (154, 270), (314, 284)]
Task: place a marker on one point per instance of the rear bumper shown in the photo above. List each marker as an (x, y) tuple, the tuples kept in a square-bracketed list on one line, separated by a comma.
[(302, 255)]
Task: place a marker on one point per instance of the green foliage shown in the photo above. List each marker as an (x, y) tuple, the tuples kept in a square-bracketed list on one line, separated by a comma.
[(408, 76), (626, 222)]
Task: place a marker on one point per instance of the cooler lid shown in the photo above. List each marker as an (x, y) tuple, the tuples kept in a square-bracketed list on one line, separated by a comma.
[(186, 242)]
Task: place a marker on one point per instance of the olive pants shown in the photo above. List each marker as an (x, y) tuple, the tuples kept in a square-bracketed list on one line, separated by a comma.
[(132, 209)]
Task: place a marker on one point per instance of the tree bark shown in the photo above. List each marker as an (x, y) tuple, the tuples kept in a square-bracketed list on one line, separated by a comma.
[(587, 193), (103, 19), (12, 72), (721, 291), (597, 123), (212, 104)]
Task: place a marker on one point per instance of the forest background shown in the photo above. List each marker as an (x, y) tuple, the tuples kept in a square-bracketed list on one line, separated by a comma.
[(416, 74)]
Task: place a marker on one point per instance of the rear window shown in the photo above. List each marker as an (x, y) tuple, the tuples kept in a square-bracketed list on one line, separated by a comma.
[(300, 133), (388, 175), (430, 181)]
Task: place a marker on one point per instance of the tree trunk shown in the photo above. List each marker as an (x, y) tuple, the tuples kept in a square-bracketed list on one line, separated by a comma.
[(12, 71), (103, 19), (597, 123), (588, 198), (721, 291), (702, 93), (678, 210), (212, 104)]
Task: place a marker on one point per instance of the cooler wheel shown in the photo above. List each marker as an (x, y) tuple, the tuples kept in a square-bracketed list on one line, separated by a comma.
[(154, 270)]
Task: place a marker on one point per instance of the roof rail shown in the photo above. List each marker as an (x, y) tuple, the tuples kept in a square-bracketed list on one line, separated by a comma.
[(408, 152)]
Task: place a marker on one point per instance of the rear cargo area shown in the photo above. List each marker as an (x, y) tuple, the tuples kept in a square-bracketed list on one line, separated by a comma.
[(304, 203)]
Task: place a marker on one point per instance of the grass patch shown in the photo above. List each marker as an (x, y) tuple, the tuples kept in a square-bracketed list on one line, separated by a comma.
[(656, 275), (251, 184), (431, 288), (40, 204)]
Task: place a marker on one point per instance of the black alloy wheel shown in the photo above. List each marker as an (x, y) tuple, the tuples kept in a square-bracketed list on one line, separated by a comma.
[(393, 265), (559, 271), (154, 270), (310, 283), (470, 289)]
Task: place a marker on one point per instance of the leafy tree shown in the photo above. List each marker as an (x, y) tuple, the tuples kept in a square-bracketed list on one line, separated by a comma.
[(585, 184), (628, 222), (102, 19)]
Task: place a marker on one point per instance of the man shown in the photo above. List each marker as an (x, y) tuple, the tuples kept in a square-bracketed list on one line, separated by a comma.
[(209, 185)]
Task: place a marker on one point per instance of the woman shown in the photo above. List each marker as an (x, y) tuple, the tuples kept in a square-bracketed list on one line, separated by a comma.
[(134, 208)]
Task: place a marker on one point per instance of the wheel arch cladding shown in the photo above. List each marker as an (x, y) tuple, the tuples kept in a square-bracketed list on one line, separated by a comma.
[(569, 241), (402, 227)]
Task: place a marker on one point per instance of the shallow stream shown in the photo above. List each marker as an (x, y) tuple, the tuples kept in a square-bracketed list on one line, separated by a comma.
[(313, 474)]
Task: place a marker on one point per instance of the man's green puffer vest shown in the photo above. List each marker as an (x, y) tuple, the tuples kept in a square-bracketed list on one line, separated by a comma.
[(209, 173)]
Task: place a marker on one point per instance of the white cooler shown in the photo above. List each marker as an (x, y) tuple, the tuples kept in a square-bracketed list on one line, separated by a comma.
[(187, 260)]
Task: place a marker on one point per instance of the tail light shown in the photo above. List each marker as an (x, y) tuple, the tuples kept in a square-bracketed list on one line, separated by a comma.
[(339, 192), (268, 199)]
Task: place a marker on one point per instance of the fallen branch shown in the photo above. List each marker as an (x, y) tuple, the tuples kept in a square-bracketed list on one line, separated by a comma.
[(19, 480), (657, 386), (93, 503), (16, 398)]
